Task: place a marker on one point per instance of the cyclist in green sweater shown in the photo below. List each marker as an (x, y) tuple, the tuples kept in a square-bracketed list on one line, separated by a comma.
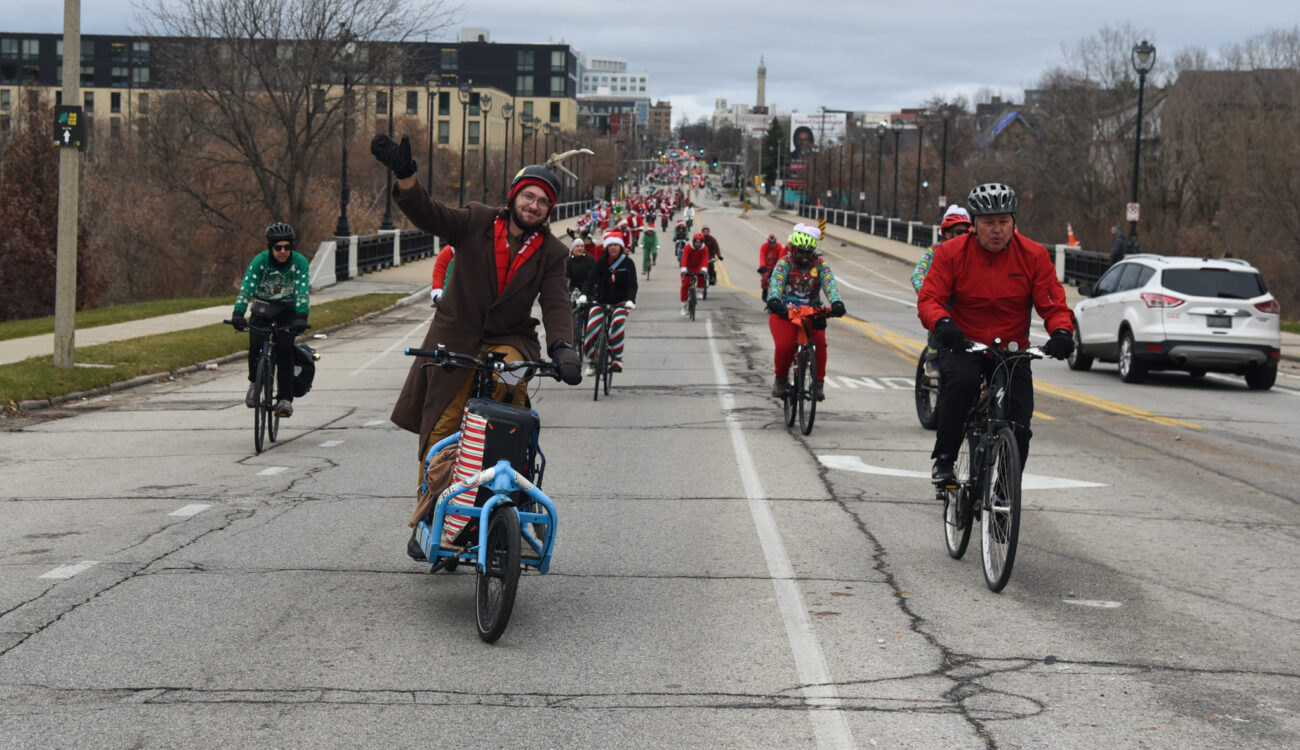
[(649, 247), (275, 294)]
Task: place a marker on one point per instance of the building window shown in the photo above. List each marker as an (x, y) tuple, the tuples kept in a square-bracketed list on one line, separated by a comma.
[(119, 77), (473, 132), (140, 52), (140, 77), (412, 102), (5, 100), (555, 111), (444, 131), (88, 101), (117, 51), (142, 102), (528, 108), (381, 102), (87, 49), (524, 86), (8, 49), (115, 102), (474, 110), (31, 49), (642, 88), (450, 60), (444, 103), (524, 61), (317, 101), (557, 59), (58, 97), (87, 75), (557, 85)]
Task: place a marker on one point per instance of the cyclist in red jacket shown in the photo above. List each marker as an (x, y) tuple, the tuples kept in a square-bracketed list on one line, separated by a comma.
[(695, 259), (980, 287), (768, 254)]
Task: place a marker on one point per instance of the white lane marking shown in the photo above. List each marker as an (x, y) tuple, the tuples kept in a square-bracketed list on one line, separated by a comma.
[(271, 471), (375, 422), (839, 280), (193, 509), (1096, 603), (845, 282), (396, 344), (68, 571), (331, 443), (829, 726), (1027, 481), (1240, 381)]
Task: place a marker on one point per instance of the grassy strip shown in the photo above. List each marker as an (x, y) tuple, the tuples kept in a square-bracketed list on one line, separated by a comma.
[(38, 378), (1291, 326), (16, 329)]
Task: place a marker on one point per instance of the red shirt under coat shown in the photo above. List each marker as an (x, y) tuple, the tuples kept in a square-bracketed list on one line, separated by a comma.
[(988, 295)]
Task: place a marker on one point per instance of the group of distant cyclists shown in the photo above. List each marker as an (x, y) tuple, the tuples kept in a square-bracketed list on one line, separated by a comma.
[(977, 284)]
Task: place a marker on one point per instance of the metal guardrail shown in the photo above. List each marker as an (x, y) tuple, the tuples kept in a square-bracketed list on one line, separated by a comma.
[(1081, 266)]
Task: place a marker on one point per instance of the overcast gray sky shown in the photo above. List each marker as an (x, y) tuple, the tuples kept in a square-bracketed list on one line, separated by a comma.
[(843, 54)]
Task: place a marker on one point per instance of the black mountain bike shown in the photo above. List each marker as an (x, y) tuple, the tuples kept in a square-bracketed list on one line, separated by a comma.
[(602, 359), (693, 293), (988, 473), (799, 400), (266, 423)]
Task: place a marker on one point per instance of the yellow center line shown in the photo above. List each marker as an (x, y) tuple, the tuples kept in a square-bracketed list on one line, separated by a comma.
[(907, 348)]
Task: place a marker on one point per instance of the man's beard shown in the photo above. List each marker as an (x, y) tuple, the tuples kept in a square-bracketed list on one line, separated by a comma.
[(519, 220)]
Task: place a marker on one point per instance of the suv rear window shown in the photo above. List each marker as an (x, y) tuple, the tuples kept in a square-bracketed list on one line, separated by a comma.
[(1214, 282)]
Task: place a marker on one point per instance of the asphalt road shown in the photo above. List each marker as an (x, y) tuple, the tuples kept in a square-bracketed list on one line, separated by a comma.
[(719, 580)]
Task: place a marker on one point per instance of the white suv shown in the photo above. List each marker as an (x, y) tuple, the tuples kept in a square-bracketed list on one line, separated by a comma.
[(1156, 312)]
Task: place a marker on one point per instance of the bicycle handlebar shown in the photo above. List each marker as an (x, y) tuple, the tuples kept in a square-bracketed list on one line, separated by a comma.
[(451, 360), (260, 329), (1036, 352)]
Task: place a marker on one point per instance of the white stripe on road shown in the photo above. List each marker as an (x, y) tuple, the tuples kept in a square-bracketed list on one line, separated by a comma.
[(1094, 603), (331, 443), (68, 571), (1027, 481), (828, 722), (375, 422), (193, 509), (271, 471), (396, 344)]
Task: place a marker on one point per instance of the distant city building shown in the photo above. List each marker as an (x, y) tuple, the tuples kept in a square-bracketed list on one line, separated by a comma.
[(661, 119), (608, 76)]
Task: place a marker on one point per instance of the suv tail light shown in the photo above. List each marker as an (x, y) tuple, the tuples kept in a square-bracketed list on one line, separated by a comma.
[(1154, 299), (1269, 306)]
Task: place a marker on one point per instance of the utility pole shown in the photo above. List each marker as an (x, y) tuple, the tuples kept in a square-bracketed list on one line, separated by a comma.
[(65, 259)]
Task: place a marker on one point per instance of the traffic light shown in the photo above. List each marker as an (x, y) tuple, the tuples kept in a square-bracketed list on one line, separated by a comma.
[(701, 152), (715, 163)]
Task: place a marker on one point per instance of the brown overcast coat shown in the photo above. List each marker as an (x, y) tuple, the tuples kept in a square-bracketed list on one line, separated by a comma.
[(470, 315)]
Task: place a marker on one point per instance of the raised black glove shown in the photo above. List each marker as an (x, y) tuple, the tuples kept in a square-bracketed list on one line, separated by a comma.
[(762, 269), (566, 361), (298, 325), (949, 334), (776, 306), (837, 309), (395, 156), (1060, 345), (237, 320)]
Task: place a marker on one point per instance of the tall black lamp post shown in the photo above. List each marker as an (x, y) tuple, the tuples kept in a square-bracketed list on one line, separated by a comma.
[(916, 206), (485, 106), (943, 161), (1144, 59), (862, 166), (464, 93), (431, 89), (898, 131), (387, 223), (880, 160), (342, 229), (507, 112), (547, 128)]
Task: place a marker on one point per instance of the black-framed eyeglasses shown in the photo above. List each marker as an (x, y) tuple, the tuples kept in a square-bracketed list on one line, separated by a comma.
[(283, 246)]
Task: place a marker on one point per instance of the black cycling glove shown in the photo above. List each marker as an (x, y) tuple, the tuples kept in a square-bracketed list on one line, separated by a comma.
[(837, 309), (776, 306), (238, 321), (567, 362), (298, 325), (1060, 345), (949, 334), (395, 156)]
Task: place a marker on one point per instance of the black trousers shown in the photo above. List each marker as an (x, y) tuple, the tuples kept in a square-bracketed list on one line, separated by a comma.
[(282, 349), (959, 388)]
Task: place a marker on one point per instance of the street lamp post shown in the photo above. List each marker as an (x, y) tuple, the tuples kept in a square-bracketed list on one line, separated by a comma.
[(464, 94), (547, 128), (862, 174), (943, 169), (533, 120), (898, 131), (431, 89), (507, 112), (1144, 59), (342, 229), (916, 205), (880, 159), (484, 106), (387, 223)]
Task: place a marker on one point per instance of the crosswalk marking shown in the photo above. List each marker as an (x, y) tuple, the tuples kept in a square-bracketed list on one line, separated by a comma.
[(68, 571)]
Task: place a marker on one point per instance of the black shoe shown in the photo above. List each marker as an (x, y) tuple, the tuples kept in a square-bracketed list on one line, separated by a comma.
[(413, 550), (283, 409), (779, 387), (942, 474), (817, 391), (251, 399)]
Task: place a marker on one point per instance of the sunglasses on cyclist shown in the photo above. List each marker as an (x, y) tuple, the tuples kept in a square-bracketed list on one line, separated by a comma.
[(283, 246)]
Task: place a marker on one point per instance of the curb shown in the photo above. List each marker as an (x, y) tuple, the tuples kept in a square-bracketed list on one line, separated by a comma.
[(139, 380)]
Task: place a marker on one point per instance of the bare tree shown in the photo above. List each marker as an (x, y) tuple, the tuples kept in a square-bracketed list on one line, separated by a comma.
[(253, 107)]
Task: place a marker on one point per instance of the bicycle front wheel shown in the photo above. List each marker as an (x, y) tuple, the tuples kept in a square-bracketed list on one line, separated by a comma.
[(690, 299), (927, 395), (601, 362), (499, 578), (807, 360), (262, 401), (272, 419), (1001, 524), (957, 501)]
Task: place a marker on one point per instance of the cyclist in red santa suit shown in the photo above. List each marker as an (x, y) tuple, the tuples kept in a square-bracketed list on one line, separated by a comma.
[(695, 259)]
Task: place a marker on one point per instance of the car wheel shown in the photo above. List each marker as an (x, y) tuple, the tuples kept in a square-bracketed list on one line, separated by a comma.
[(1261, 377), (1130, 369), (1077, 359)]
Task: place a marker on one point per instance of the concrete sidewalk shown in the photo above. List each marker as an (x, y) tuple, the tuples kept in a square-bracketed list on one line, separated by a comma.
[(910, 254)]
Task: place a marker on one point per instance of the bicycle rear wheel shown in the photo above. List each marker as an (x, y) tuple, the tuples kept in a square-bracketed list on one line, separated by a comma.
[(262, 396), (499, 579), (927, 395), (1000, 530), (807, 359), (609, 371), (272, 418), (957, 501), (600, 361)]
